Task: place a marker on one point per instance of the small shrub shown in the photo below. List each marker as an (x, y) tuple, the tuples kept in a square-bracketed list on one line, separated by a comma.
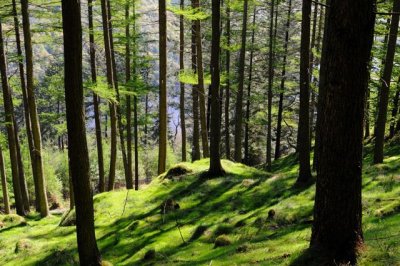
[(222, 241)]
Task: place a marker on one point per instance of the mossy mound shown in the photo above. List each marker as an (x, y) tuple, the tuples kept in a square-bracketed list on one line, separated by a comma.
[(23, 245), (222, 241), (177, 171)]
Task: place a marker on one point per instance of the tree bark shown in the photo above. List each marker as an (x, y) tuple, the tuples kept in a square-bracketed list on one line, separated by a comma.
[(337, 213), (96, 100), (385, 86), (77, 145), (247, 126), (312, 64), (215, 126), (6, 199), (395, 110), (182, 85), (37, 138), (239, 97), (228, 84), (282, 88), (270, 84), (162, 153), (303, 138)]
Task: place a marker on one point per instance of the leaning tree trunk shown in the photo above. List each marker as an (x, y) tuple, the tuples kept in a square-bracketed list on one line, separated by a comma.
[(338, 209), (6, 199), (182, 85), (303, 138), (162, 152), (385, 87), (9, 119), (37, 138), (77, 145), (215, 156), (96, 100), (239, 97)]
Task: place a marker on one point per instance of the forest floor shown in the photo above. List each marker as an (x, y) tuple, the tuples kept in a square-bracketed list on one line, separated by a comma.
[(222, 221)]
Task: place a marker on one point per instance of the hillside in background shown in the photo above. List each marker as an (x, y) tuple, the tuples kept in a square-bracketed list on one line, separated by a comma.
[(249, 217)]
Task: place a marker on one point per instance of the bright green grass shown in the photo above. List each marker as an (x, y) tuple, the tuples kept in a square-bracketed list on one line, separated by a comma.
[(211, 207)]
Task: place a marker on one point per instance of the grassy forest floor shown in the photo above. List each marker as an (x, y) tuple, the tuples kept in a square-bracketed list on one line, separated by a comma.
[(223, 221)]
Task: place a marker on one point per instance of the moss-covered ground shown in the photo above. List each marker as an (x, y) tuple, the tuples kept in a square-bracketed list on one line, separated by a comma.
[(246, 217)]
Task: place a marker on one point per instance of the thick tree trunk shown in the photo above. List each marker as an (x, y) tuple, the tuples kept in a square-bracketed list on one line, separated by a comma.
[(270, 83), (239, 96), (96, 100), (385, 87), (303, 138), (282, 88), (247, 126), (6, 199), (200, 86), (77, 145), (337, 213), (9, 119), (228, 85), (110, 81), (162, 153), (215, 126), (37, 138), (182, 92)]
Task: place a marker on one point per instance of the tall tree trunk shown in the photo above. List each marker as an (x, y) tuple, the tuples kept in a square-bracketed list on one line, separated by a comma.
[(26, 114), (386, 78), (195, 97), (228, 84), (77, 145), (215, 126), (182, 92), (129, 184), (162, 153), (337, 213), (312, 64), (110, 81), (200, 86), (395, 110), (135, 100), (270, 84), (9, 119), (6, 199), (239, 97), (37, 138), (247, 126), (96, 100), (303, 138), (367, 132), (282, 88)]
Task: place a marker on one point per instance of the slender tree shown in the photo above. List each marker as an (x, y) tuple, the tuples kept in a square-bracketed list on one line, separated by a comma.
[(4, 188), (77, 145), (163, 128), (182, 85), (96, 100), (215, 156), (395, 110), (239, 97), (37, 138), (385, 86), (228, 82), (303, 138), (337, 213)]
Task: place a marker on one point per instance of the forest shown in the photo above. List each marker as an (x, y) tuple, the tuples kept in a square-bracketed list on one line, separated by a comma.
[(200, 132)]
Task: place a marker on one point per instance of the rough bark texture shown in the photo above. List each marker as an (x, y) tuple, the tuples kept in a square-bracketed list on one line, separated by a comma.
[(182, 85), (239, 96), (385, 87), (215, 126), (77, 149), (96, 101), (6, 199), (337, 214), (9, 119), (37, 138), (303, 138), (162, 153)]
